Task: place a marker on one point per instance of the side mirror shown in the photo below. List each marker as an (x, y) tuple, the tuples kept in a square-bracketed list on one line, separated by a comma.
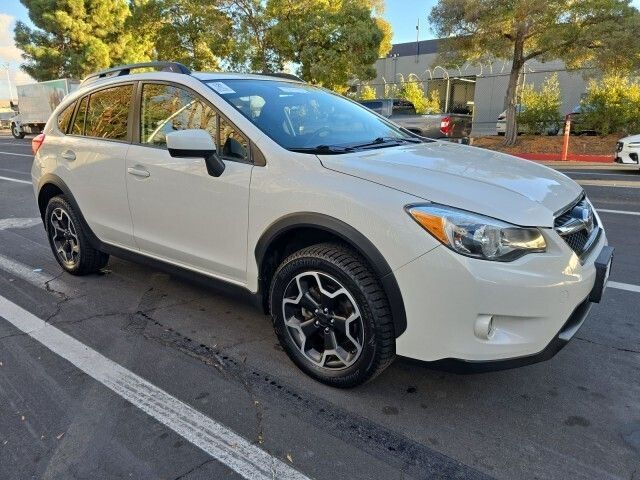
[(196, 143)]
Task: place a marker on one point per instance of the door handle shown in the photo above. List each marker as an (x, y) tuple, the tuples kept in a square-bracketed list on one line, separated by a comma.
[(138, 172), (68, 155)]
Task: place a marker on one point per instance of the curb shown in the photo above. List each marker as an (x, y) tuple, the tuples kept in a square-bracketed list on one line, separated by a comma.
[(556, 157)]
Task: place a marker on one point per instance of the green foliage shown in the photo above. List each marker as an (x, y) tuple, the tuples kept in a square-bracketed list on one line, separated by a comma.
[(432, 104), (612, 105), (74, 38), (585, 33), (541, 108), (331, 41), (194, 32), (367, 92)]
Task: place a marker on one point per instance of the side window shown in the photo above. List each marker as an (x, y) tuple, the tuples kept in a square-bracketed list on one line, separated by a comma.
[(233, 145), (78, 123), (65, 118), (108, 113), (166, 108)]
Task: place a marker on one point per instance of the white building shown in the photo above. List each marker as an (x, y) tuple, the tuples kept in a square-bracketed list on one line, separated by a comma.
[(476, 89)]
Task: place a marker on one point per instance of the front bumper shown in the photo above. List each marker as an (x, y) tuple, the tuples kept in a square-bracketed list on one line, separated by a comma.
[(537, 303)]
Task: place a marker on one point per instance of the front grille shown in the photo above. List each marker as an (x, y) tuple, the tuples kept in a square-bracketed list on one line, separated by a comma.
[(578, 226)]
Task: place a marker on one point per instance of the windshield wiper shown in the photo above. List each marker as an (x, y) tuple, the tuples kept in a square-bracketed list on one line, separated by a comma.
[(390, 141), (323, 149)]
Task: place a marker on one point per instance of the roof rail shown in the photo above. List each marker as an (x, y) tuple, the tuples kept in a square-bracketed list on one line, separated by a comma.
[(288, 76), (126, 70)]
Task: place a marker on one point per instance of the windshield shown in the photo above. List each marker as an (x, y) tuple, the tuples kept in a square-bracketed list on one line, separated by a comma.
[(303, 118)]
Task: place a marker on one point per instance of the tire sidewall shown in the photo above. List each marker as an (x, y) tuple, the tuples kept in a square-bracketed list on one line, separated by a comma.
[(366, 362), (59, 202)]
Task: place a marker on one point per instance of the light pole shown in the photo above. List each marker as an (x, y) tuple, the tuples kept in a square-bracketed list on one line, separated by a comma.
[(6, 66)]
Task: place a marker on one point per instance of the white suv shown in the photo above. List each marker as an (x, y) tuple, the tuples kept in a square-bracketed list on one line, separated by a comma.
[(361, 239)]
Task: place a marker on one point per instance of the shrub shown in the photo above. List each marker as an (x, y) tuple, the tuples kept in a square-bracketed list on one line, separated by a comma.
[(540, 110), (367, 92), (612, 105)]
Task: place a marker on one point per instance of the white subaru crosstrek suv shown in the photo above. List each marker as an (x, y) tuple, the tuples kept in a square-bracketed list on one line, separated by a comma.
[(362, 240)]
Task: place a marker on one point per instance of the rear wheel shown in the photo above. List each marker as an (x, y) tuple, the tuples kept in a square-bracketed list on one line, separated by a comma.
[(68, 240), (332, 316), (16, 131)]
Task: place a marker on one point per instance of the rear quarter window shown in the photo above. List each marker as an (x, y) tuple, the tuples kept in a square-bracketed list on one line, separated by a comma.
[(64, 119)]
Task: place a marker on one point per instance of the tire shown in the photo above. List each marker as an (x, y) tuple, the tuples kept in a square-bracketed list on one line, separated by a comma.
[(68, 240), (369, 346), (16, 132)]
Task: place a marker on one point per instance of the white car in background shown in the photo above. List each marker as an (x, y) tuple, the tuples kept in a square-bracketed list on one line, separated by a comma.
[(361, 239), (501, 125), (628, 150)]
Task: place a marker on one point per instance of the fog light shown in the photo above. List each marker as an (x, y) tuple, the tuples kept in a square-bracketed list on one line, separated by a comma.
[(484, 327)]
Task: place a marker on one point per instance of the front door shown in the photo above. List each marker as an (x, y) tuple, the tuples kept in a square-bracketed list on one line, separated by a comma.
[(180, 213)]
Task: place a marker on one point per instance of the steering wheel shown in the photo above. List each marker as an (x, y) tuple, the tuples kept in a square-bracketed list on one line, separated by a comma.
[(318, 134)]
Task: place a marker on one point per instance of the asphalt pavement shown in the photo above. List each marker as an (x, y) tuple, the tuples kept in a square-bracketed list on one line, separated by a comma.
[(135, 373)]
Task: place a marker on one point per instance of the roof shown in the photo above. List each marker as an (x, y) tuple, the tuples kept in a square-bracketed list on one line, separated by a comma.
[(204, 76), (408, 49)]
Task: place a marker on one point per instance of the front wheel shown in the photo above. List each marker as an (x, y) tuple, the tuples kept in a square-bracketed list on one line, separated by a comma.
[(68, 239), (16, 131), (332, 316)]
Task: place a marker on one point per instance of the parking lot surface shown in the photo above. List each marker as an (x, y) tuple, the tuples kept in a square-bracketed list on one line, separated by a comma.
[(135, 373)]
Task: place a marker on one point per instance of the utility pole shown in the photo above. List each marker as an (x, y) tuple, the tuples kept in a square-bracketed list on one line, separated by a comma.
[(418, 41)]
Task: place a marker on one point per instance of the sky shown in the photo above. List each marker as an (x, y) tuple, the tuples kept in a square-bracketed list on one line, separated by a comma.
[(402, 14)]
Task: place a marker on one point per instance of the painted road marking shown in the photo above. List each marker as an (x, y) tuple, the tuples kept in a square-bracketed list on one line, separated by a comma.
[(624, 286), (622, 212), (609, 183), (35, 277), (597, 174), (6, 223), (224, 445), (18, 154), (9, 179)]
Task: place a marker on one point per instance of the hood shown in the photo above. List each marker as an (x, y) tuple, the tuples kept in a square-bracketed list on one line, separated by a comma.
[(482, 181), (631, 139)]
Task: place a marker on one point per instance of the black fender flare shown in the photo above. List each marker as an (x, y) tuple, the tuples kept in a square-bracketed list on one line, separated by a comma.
[(51, 179), (352, 237)]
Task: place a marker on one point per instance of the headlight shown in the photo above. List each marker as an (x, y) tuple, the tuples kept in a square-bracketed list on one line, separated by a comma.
[(475, 235)]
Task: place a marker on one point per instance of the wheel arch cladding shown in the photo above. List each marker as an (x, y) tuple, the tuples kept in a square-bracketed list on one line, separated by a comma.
[(51, 185), (300, 230)]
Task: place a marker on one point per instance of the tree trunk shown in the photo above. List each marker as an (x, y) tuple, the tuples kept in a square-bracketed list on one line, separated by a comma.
[(511, 135), (511, 100)]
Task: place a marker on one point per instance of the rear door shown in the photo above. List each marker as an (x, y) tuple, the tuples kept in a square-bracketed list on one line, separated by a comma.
[(92, 158), (180, 212)]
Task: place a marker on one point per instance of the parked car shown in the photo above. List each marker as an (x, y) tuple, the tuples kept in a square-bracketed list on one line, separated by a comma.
[(362, 240), (450, 126), (501, 125), (627, 150), (36, 101)]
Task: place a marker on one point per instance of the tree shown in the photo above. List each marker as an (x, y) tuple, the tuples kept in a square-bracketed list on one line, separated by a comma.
[(253, 48), (612, 105), (197, 33), (331, 42), (73, 39), (600, 33), (540, 112)]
